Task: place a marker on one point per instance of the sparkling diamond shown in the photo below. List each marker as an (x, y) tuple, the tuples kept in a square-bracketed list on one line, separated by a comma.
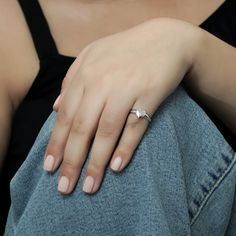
[(140, 113)]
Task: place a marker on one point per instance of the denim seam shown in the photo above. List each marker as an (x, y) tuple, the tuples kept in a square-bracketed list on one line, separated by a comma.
[(214, 187), (152, 180), (181, 154)]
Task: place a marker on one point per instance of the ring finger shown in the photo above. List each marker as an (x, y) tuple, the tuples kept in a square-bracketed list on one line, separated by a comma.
[(110, 126), (131, 136)]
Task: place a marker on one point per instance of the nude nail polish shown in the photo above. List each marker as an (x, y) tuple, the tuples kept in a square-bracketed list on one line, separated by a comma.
[(63, 184), (115, 165), (49, 163), (88, 184)]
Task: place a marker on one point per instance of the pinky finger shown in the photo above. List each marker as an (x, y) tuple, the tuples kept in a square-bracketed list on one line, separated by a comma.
[(130, 139), (70, 75)]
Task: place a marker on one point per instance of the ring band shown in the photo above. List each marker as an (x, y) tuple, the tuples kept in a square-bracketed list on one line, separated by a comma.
[(141, 114)]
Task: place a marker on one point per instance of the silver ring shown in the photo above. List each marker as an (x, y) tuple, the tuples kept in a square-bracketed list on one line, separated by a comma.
[(141, 114)]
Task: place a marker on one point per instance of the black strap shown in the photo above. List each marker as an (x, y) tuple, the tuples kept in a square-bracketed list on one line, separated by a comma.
[(38, 26)]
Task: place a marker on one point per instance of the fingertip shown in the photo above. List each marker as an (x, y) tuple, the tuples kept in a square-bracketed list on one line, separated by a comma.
[(116, 164), (68, 180), (88, 184), (49, 162), (63, 185)]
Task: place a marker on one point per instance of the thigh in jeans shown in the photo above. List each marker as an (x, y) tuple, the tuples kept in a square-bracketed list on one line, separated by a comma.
[(180, 181)]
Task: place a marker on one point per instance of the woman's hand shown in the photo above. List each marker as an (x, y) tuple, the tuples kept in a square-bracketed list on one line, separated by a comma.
[(137, 68)]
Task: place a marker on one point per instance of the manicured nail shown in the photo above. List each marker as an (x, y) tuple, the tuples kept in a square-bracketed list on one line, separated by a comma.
[(57, 101), (48, 163), (116, 163), (63, 184), (88, 184)]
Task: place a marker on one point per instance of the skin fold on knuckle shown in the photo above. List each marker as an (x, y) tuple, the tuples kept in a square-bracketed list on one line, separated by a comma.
[(81, 132), (70, 168), (80, 129), (64, 118), (106, 128), (133, 123)]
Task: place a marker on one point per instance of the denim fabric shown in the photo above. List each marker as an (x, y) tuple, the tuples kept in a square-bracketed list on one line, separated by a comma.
[(180, 181)]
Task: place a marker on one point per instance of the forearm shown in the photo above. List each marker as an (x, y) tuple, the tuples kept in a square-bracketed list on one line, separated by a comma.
[(212, 78)]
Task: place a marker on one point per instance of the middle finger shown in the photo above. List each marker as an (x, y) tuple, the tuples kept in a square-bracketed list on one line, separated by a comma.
[(109, 129), (81, 133)]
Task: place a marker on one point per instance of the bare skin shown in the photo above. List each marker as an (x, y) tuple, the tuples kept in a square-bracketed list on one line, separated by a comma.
[(82, 21), (86, 21)]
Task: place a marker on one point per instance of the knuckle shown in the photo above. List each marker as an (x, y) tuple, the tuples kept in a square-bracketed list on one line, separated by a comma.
[(86, 70), (106, 128), (80, 128), (132, 123), (95, 168), (124, 151), (64, 117), (70, 166)]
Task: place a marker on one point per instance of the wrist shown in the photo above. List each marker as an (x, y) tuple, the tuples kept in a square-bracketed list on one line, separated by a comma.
[(198, 46), (189, 39), (198, 51)]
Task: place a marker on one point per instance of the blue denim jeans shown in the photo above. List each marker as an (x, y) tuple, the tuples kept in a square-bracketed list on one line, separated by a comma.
[(181, 181)]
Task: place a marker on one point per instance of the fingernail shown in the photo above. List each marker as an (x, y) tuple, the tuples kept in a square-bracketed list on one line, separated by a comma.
[(116, 163), (48, 163), (57, 101), (63, 184), (88, 184)]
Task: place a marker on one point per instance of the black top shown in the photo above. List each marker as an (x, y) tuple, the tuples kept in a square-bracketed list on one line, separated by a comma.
[(37, 105)]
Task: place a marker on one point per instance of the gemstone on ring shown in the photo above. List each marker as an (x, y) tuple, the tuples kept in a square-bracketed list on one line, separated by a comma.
[(141, 114)]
